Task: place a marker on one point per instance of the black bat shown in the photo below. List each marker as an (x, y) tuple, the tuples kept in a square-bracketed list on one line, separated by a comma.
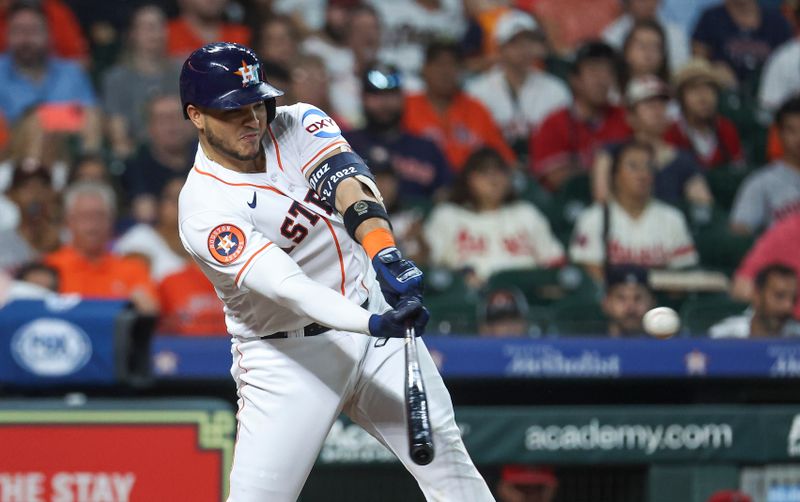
[(420, 437)]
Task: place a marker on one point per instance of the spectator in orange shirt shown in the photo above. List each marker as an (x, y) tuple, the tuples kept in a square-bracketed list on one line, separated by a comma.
[(202, 22), (65, 31), (443, 113), (85, 265)]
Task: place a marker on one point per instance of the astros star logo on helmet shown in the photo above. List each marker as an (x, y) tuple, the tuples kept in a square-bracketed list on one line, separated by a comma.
[(249, 73)]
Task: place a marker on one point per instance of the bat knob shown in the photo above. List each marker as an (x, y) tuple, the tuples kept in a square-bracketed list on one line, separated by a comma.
[(422, 454)]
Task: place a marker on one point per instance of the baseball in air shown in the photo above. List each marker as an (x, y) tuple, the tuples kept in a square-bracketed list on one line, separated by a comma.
[(661, 322)]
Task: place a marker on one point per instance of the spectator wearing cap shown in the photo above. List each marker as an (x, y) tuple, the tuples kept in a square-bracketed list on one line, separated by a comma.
[(420, 166), (201, 22), (678, 177), (166, 154), (503, 313), (85, 265), (627, 298), (771, 308), (700, 128), (632, 227), (636, 11), (781, 77), (565, 143), (773, 191), (776, 245), (518, 95), (30, 78), (729, 496), (483, 228), (143, 71), (738, 36), (64, 28), (522, 483), (458, 123)]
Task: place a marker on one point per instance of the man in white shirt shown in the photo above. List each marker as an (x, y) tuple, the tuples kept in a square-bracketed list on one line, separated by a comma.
[(770, 313), (518, 95), (677, 40)]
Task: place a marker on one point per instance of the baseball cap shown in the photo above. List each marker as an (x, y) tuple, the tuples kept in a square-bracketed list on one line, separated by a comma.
[(380, 78), (730, 496), (529, 475), (626, 274), (512, 23), (504, 303), (643, 88), (697, 70), (593, 50)]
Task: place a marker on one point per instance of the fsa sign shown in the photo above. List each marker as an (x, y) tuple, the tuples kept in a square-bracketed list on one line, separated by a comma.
[(320, 125)]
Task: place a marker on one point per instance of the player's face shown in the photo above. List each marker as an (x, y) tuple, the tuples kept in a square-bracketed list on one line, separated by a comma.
[(236, 133), (776, 302), (625, 305)]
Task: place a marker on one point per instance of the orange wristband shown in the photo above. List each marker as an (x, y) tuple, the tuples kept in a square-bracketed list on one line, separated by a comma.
[(374, 241)]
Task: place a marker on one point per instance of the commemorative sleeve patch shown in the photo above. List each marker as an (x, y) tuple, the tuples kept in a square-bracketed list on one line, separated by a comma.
[(226, 243), (319, 124)]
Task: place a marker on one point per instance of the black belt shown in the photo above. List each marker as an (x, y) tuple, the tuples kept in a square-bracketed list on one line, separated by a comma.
[(312, 329)]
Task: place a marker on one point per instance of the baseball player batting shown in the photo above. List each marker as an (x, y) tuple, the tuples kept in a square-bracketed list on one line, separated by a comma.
[(287, 223)]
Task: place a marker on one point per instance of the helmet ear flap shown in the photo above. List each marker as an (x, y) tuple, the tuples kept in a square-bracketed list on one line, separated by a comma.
[(271, 109)]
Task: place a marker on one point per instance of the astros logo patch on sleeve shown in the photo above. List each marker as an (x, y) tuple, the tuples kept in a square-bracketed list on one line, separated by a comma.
[(320, 125), (226, 243)]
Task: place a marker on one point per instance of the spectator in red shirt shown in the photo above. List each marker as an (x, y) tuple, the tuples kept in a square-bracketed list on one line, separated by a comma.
[(776, 245), (711, 137), (202, 22), (565, 143), (445, 114), (65, 32)]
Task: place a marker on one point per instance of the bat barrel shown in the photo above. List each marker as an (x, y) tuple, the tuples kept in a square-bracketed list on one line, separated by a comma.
[(420, 436)]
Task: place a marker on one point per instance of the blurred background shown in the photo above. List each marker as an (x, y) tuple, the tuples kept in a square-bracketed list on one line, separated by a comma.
[(557, 168)]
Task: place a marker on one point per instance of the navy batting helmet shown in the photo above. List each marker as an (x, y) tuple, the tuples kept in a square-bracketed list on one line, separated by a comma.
[(225, 76)]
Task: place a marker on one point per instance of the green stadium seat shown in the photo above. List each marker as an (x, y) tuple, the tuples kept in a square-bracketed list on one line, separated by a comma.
[(453, 305), (578, 316), (700, 312), (543, 286), (724, 183), (721, 250)]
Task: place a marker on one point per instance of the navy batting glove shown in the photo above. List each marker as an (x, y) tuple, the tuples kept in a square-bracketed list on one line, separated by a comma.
[(399, 278), (392, 324)]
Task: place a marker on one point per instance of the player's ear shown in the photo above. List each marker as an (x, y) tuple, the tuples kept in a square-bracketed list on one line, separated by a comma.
[(195, 115)]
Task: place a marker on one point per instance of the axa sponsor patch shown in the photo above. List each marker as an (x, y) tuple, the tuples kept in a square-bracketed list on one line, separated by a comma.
[(226, 243), (316, 122)]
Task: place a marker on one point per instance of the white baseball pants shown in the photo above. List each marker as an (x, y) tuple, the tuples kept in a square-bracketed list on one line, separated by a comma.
[(292, 390)]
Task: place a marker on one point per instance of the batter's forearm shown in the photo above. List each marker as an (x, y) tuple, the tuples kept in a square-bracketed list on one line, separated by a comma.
[(351, 191)]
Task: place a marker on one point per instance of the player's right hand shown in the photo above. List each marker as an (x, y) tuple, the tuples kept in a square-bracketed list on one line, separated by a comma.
[(393, 323)]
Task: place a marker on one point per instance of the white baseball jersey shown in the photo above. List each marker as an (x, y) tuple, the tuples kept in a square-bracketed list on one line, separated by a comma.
[(659, 237), (516, 235), (230, 220)]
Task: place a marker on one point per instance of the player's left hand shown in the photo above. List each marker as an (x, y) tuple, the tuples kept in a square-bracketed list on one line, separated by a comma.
[(400, 279), (392, 324)]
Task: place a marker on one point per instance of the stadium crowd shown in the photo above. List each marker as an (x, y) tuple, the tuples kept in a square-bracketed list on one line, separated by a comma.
[(556, 166)]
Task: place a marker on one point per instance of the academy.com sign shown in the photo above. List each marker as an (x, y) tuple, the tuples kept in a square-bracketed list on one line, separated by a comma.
[(645, 438)]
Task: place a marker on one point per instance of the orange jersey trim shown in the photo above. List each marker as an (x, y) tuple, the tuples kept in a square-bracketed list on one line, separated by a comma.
[(322, 151), (263, 187), (338, 250), (277, 149), (244, 267)]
